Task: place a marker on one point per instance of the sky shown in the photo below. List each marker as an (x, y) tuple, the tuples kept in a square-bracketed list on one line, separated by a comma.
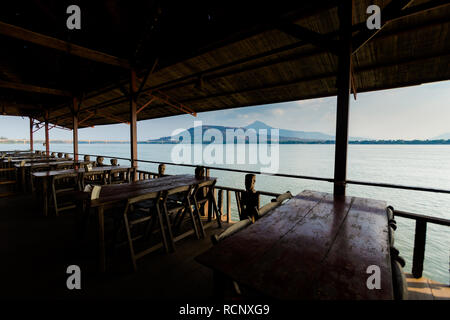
[(418, 112)]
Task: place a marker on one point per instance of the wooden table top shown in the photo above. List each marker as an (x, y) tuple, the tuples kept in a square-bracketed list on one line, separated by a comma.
[(123, 192), (6, 159), (47, 164), (43, 160), (52, 173), (315, 246)]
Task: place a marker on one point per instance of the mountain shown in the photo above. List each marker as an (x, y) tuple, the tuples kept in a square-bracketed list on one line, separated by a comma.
[(305, 135), (284, 135), (443, 136)]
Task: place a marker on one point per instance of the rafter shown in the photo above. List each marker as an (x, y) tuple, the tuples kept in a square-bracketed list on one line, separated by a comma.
[(145, 105), (57, 44), (177, 105), (317, 39), (32, 88), (86, 118), (109, 117)]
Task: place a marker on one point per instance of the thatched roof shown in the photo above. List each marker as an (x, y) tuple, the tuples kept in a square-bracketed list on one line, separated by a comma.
[(207, 55)]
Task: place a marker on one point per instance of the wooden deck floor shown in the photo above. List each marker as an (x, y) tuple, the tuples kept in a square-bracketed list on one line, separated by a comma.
[(36, 252), (426, 289)]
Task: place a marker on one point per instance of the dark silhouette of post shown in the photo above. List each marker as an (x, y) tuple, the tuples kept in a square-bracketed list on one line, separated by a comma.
[(47, 139), (75, 128), (133, 120), (343, 95), (31, 134)]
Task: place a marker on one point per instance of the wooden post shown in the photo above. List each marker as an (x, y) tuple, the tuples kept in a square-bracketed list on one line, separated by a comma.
[(208, 210), (228, 206), (220, 201), (31, 134), (343, 95), (47, 140), (133, 120), (75, 128), (419, 248)]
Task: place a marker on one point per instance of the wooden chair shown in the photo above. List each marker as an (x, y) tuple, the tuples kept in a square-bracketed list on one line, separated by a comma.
[(119, 175), (204, 192), (63, 166), (176, 203), (92, 177), (8, 178), (135, 215), (64, 188)]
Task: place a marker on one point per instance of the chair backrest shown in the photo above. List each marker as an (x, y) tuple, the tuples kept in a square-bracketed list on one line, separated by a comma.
[(126, 172), (63, 166), (206, 183), (69, 179), (200, 187), (178, 190), (144, 197)]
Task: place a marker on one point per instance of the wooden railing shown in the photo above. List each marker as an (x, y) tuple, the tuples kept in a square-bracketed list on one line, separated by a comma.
[(421, 220)]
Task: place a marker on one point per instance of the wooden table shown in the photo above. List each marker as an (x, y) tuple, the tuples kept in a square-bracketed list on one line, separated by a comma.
[(41, 163), (113, 195), (315, 246), (45, 176)]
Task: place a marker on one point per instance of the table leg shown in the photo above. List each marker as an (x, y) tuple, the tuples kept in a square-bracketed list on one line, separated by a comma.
[(45, 196), (219, 285), (101, 238), (214, 205), (22, 177), (169, 230)]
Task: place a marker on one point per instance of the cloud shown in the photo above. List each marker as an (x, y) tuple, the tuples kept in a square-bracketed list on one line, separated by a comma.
[(278, 112)]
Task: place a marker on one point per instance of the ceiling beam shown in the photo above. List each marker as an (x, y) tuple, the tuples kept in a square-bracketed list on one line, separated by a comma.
[(317, 39), (57, 44), (32, 88)]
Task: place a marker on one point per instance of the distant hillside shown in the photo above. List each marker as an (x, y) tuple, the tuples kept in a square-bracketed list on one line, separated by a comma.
[(443, 136), (285, 136)]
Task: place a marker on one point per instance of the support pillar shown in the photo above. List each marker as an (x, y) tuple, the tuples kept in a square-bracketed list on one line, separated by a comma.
[(75, 112), (47, 140), (31, 134), (133, 120), (343, 96)]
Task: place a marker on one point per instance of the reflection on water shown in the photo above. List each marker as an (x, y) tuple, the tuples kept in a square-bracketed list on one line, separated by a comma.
[(427, 166)]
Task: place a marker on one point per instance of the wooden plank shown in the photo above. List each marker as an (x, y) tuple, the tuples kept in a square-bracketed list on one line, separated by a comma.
[(57, 44), (440, 291), (418, 289), (362, 241), (32, 88)]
